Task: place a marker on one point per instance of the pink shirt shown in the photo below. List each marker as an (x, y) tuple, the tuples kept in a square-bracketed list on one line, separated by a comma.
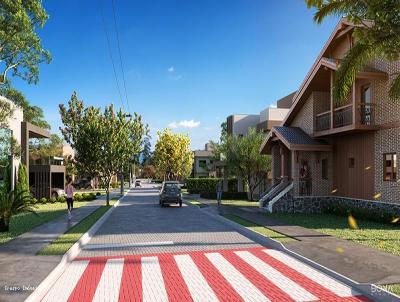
[(70, 191)]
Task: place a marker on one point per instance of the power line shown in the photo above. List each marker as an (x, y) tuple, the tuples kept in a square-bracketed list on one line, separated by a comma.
[(110, 52), (119, 51)]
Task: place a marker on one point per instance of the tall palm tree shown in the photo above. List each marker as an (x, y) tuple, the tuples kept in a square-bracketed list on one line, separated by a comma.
[(377, 33)]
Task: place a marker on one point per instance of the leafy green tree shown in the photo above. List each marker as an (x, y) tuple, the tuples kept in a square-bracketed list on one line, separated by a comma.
[(46, 148), (32, 114), (5, 113), (173, 158), (377, 33), (21, 51), (243, 159), (104, 141), (146, 154), (22, 182)]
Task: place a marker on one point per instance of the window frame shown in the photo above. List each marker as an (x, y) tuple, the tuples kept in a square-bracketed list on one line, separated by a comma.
[(394, 167)]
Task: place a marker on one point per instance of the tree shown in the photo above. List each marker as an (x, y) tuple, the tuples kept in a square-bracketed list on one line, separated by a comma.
[(21, 51), (243, 158), (22, 182), (146, 154), (5, 113), (173, 158), (32, 114), (45, 148), (149, 171), (377, 33), (13, 203), (224, 131), (104, 141)]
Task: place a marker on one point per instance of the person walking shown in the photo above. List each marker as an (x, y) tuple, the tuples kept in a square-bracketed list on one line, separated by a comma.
[(219, 191), (70, 196)]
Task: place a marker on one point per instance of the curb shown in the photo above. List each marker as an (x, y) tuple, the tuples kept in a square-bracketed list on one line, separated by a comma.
[(69, 256), (370, 290)]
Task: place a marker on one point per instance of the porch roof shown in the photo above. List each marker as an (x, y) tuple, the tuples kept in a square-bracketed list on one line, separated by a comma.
[(294, 138)]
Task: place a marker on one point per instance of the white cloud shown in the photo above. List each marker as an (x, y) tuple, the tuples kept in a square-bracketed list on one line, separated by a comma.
[(171, 69), (272, 106), (184, 124)]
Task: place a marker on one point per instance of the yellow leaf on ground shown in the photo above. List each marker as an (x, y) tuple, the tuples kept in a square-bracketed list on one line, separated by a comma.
[(352, 222), (339, 250)]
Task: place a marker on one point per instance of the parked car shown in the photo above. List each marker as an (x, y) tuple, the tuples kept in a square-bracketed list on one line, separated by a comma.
[(170, 193), (83, 183), (57, 192), (138, 183)]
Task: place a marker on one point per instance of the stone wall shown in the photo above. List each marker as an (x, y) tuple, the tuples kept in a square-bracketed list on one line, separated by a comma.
[(315, 204)]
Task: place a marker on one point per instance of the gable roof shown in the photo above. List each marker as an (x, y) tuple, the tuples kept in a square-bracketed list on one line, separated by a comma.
[(294, 138)]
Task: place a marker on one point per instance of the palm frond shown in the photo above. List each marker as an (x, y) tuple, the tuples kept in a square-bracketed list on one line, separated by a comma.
[(394, 91), (354, 61), (338, 8)]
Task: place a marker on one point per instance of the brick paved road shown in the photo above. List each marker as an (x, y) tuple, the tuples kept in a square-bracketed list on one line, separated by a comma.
[(147, 253)]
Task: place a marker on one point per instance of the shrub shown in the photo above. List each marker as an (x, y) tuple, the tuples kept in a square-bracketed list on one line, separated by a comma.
[(61, 199), (77, 197), (85, 196), (98, 194), (44, 200), (92, 196), (225, 195), (53, 199), (208, 185), (34, 200), (371, 214)]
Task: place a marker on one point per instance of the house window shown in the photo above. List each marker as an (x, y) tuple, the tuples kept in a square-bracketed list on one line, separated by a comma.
[(389, 166), (351, 162), (324, 167), (203, 164)]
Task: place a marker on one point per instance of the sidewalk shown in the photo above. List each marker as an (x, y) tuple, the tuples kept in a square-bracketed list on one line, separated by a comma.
[(357, 262), (19, 265)]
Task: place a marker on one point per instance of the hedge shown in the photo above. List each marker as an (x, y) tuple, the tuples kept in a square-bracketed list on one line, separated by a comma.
[(208, 185), (377, 215), (225, 195)]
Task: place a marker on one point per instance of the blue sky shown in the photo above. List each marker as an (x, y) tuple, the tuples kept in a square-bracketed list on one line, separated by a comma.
[(188, 64)]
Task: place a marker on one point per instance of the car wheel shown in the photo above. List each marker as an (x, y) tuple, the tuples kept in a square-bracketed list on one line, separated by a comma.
[(180, 203), (54, 194)]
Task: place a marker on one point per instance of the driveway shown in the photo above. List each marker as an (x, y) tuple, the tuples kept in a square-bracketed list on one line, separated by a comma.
[(147, 253)]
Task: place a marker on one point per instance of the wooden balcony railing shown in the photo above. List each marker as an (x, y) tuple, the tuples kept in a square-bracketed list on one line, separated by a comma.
[(343, 116), (323, 121), (367, 113)]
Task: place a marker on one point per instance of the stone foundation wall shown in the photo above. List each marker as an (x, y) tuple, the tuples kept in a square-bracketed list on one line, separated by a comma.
[(314, 204)]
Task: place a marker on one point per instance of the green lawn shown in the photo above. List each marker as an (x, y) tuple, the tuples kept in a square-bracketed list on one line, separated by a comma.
[(63, 243), (197, 203), (240, 203), (381, 236), (393, 288), (27, 221), (260, 229)]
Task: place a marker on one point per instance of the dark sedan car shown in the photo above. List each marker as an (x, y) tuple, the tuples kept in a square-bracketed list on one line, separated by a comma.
[(170, 193)]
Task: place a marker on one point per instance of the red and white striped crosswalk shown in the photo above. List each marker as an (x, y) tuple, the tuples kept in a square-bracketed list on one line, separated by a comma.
[(252, 275)]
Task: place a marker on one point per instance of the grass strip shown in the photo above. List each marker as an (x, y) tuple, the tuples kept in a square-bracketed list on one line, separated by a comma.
[(259, 229), (377, 235), (197, 203), (393, 288), (64, 242), (25, 222), (240, 203)]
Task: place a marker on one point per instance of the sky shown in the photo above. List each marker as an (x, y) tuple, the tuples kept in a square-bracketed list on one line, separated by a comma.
[(187, 64)]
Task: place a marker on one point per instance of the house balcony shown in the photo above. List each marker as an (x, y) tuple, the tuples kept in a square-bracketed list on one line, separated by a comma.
[(348, 118)]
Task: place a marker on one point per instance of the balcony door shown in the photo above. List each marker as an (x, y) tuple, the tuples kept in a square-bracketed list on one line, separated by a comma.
[(366, 105)]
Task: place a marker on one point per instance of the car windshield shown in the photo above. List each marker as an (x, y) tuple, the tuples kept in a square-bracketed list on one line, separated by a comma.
[(171, 186)]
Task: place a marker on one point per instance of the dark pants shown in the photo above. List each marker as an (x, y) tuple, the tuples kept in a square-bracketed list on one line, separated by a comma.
[(70, 203)]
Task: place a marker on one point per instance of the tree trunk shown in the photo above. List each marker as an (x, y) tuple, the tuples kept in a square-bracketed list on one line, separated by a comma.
[(122, 184), (3, 226), (108, 193)]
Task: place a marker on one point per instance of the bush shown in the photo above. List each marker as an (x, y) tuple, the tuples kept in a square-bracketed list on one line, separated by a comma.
[(225, 195), (53, 199), (34, 200), (375, 214), (85, 196), (77, 197), (61, 199), (98, 194), (208, 185), (44, 200)]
